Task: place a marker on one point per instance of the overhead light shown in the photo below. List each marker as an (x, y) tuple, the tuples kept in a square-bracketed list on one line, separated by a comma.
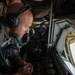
[(38, 0)]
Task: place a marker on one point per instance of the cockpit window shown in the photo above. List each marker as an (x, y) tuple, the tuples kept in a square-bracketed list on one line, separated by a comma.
[(64, 38), (71, 47)]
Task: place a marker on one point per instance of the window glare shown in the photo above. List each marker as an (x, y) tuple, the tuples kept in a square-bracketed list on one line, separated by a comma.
[(72, 47)]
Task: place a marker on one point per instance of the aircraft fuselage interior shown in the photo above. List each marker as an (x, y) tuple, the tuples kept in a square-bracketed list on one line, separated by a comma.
[(50, 44)]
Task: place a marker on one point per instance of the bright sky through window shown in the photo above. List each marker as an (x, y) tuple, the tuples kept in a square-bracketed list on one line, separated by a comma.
[(72, 47)]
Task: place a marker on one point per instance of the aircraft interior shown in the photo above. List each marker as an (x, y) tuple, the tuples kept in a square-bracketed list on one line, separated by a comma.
[(50, 44)]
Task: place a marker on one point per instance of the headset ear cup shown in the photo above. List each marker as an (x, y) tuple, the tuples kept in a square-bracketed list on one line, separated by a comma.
[(11, 20)]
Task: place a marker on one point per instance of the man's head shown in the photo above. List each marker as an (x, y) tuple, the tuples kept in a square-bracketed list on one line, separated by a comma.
[(25, 19)]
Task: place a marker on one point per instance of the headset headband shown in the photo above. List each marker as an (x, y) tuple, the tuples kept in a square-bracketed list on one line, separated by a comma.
[(23, 9), (12, 20)]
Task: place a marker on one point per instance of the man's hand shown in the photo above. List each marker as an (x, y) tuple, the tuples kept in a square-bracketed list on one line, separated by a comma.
[(27, 69)]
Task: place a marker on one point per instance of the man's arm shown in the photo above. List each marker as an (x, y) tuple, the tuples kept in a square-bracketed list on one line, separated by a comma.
[(11, 48)]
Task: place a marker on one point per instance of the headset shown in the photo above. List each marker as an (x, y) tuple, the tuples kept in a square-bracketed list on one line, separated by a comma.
[(12, 19)]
